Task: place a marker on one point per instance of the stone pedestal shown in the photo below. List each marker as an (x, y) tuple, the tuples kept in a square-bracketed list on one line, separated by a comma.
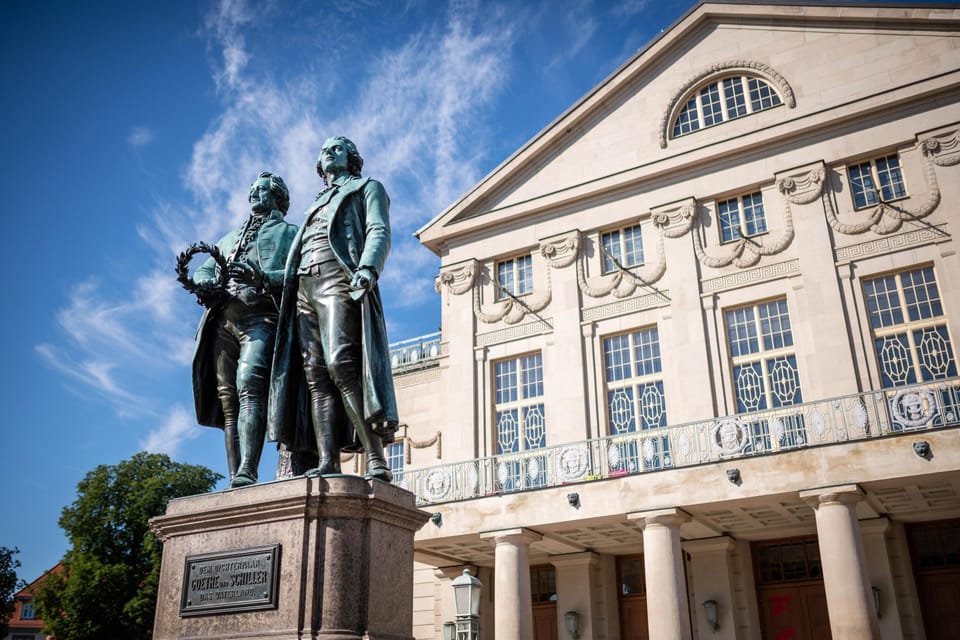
[(343, 548)]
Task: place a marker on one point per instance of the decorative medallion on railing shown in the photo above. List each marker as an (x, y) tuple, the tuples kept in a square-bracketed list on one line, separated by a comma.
[(437, 484), (913, 407), (729, 437), (573, 463)]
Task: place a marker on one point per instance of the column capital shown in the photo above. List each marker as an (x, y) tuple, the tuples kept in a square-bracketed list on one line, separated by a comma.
[(449, 573), (846, 494), (519, 535), (670, 517), (719, 544), (874, 525), (582, 559)]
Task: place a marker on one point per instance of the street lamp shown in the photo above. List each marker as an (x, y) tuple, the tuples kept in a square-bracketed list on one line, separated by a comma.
[(466, 595)]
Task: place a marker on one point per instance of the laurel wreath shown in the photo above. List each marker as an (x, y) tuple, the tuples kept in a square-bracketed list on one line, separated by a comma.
[(183, 261)]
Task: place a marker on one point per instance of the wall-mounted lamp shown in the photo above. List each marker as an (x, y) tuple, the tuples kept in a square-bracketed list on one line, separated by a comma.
[(572, 620), (710, 610), (733, 475), (449, 631), (437, 518), (922, 449), (876, 600), (573, 499)]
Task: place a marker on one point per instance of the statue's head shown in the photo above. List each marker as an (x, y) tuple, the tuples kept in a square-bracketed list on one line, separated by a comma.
[(330, 157), (278, 189)]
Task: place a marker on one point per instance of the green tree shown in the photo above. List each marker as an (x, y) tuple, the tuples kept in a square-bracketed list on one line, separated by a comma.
[(108, 588), (9, 585)]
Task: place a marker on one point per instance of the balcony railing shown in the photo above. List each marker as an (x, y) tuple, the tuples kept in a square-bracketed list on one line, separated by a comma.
[(862, 416), (415, 353)]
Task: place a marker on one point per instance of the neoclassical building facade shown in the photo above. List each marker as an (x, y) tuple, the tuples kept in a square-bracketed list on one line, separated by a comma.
[(697, 369)]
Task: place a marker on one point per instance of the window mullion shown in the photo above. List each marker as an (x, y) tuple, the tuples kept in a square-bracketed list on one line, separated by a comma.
[(747, 100), (721, 90), (700, 121), (877, 187)]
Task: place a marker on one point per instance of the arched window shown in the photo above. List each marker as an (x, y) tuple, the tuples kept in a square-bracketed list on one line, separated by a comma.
[(721, 92), (722, 100)]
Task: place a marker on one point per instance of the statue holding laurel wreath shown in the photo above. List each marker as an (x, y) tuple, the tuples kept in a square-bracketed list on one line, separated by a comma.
[(240, 286)]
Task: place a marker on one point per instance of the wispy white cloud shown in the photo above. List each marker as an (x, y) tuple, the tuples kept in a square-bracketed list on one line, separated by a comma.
[(177, 427), (629, 8), (95, 374), (140, 137), (416, 110), (579, 27)]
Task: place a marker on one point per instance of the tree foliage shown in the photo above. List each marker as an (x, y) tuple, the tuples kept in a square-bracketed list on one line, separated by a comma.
[(9, 585), (108, 588)]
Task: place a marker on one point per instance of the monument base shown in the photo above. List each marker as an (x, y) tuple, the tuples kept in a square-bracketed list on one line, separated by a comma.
[(327, 558)]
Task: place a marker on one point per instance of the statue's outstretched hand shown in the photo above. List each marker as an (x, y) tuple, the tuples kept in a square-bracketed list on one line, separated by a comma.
[(245, 273)]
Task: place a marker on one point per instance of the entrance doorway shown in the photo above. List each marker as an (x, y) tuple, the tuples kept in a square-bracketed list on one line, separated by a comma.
[(935, 551), (632, 598), (793, 603), (543, 594)]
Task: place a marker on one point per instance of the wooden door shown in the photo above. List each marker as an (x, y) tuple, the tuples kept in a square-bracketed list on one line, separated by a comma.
[(940, 593), (633, 618), (545, 621), (794, 612)]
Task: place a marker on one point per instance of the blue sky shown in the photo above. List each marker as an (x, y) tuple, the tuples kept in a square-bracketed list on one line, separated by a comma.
[(135, 129)]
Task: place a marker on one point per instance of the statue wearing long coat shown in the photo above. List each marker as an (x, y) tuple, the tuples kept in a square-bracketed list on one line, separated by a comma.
[(359, 234), (269, 256)]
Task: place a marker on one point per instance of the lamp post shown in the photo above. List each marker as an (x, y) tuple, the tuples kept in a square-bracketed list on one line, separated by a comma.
[(466, 594)]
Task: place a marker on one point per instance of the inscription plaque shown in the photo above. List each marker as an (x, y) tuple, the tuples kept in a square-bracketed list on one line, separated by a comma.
[(230, 581)]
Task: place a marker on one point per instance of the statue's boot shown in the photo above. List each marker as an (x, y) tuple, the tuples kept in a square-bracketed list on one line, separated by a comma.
[(326, 422), (231, 442), (231, 407), (377, 466), (252, 434)]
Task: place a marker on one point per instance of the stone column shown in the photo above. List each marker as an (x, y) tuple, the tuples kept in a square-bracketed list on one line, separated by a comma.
[(668, 613), (575, 591), (849, 597), (710, 576), (512, 603)]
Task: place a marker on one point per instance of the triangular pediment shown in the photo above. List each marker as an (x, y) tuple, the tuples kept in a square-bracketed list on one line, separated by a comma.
[(619, 133)]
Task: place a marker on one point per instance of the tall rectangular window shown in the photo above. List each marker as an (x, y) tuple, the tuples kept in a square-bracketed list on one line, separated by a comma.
[(636, 400), (909, 328), (621, 248), (875, 181), (396, 459), (520, 422), (765, 374), (741, 217), (514, 277)]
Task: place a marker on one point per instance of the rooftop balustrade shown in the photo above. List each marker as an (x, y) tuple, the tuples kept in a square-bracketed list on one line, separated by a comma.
[(415, 353)]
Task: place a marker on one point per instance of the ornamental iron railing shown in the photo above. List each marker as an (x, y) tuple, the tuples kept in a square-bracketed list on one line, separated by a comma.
[(862, 416), (415, 353)]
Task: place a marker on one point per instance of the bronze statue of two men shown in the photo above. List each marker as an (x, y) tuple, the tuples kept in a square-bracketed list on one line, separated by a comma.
[(294, 346)]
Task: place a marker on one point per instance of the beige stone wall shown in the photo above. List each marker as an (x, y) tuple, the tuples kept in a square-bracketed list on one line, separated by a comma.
[(853, 92)]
